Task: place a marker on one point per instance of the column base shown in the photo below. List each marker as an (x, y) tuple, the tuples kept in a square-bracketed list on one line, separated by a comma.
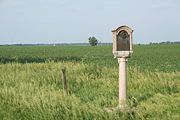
[(121, 109)]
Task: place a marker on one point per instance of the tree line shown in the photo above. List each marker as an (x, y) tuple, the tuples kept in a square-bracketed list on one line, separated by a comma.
[(167, 42)]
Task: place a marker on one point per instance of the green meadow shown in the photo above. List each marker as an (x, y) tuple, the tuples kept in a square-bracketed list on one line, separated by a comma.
[(31, 86)]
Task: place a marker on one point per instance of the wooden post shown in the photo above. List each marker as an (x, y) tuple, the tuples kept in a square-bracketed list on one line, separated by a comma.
[(63, 70)]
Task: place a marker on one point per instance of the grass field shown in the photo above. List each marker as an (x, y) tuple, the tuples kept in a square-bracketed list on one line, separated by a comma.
[(152, 57), (31, 87)]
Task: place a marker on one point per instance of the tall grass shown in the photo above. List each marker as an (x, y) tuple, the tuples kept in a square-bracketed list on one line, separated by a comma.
[(34, 91)]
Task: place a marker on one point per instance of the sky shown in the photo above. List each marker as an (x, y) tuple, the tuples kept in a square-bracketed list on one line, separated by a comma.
[(74, 21)]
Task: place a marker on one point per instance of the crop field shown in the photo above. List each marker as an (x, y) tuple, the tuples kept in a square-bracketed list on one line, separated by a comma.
[(31, 86)]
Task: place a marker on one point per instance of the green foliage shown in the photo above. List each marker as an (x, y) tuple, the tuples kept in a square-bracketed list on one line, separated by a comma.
[(93, 41), (146, 57), (31, 86), (34, 91)]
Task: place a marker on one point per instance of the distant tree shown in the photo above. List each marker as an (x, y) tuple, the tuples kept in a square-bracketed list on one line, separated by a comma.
[(93, 41)]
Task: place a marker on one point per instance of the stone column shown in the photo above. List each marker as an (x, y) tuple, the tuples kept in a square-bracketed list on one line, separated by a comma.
[(122, 82)]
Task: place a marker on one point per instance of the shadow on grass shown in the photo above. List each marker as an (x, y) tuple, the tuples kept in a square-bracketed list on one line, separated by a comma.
[(28, 59)]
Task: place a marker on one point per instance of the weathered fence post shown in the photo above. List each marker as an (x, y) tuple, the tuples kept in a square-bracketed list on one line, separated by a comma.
[(64, 80)]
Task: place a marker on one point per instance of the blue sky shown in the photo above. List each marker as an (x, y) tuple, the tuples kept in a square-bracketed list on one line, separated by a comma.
[(73, 21)]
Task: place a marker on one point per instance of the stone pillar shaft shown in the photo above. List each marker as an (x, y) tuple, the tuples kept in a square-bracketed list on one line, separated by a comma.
[(122, 82)]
